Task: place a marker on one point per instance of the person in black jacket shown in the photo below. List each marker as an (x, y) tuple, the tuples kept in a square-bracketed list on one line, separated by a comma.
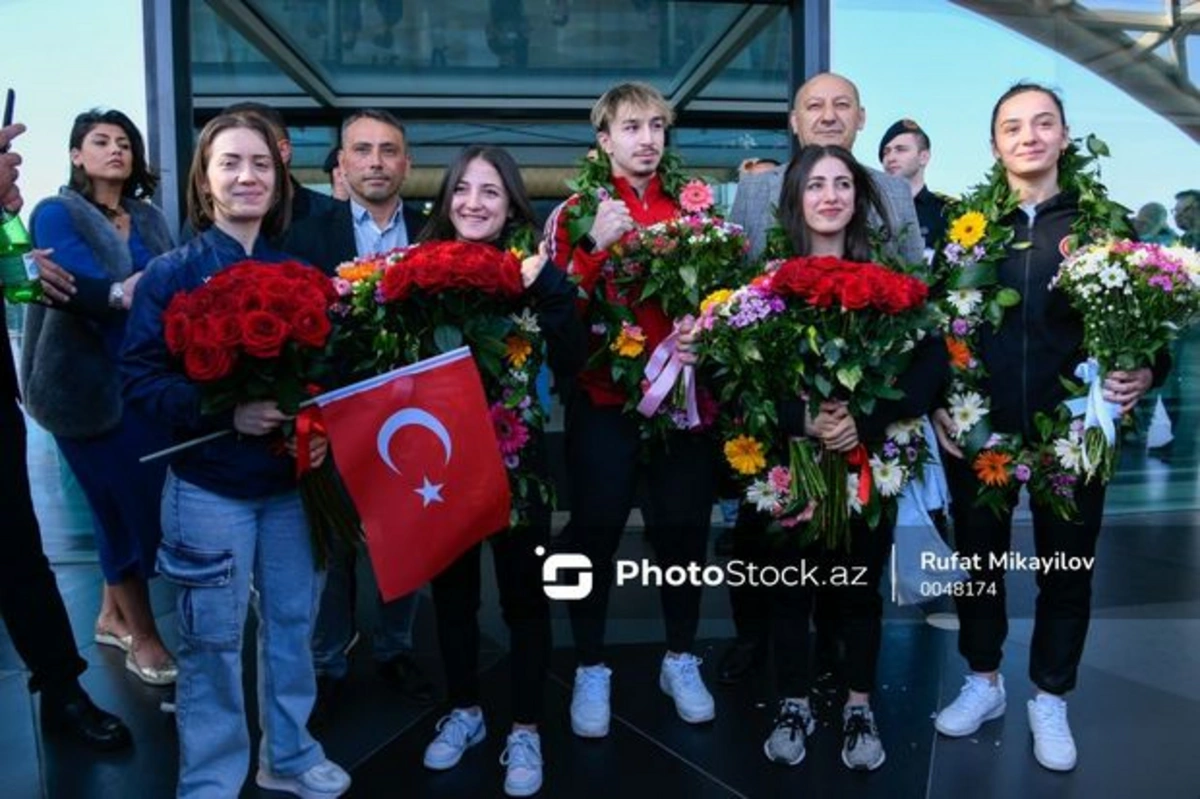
[(824, 210), (30, 602), (1038, 342), (374, 160), (482, 199)]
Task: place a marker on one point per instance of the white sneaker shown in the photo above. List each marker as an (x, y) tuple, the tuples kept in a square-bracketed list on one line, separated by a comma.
[(590, 701), (1053, 745), (979, 701), (680, 679), (523, 759), (326, 780), (457, 733)]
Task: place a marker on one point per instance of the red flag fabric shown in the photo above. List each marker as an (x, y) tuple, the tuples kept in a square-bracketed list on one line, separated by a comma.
[(418, 454)]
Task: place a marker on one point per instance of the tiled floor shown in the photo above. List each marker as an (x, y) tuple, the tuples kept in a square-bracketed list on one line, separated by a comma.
[(1134, 714)]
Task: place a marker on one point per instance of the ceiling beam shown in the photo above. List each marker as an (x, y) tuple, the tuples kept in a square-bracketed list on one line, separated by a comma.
[(750, 22), (265, 37)]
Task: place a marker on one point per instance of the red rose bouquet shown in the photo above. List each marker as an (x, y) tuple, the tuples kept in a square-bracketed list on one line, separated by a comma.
[(826, 329), (408, 304), (258, 331)]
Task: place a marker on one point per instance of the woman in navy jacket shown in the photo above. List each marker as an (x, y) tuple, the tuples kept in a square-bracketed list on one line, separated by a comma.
[(231, 512)]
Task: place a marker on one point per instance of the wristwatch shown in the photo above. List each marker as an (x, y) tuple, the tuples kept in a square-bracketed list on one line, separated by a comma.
[(587, 243), (116, 296)]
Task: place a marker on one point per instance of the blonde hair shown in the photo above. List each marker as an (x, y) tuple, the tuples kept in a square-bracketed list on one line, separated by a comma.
[(639, 95)]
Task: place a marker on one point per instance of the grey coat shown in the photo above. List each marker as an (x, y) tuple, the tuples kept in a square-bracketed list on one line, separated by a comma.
[(71, 386), (757, 200)]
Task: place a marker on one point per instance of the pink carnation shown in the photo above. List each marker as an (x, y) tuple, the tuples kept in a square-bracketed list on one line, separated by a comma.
[(511, 432)]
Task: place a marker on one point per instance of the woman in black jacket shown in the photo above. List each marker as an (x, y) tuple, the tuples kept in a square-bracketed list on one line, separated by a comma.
[(824, 209), (482, 199), (1038, 342)]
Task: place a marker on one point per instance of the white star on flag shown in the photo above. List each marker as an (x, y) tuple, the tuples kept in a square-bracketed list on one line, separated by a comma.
[(429, 492)]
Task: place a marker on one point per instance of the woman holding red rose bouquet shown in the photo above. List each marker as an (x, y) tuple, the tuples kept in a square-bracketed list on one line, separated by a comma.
[(824, 209), (482, 199), (231, 511)]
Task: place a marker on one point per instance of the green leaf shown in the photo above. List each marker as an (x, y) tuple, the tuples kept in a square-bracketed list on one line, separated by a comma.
[(1097, 146), (689, 276), (850, 376), (1008, 298), (974, 277), (447, 337), (824, 387)]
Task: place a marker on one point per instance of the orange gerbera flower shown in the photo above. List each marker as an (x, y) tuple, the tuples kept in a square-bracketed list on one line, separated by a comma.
[(960, 353), (517, 350), (991, 468)]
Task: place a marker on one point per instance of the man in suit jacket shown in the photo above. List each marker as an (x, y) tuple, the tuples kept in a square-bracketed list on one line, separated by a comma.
[(30, 603), (374, 160), (827, 111)]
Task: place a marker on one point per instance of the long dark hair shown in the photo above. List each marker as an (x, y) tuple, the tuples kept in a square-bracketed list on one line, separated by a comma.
[(520, 212), (142, 180), (791, 202), (200, 209)]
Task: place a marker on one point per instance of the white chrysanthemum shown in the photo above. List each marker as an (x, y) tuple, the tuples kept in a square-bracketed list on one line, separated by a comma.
[(965, 301), (762, 497), (888, 476), (1069, 452), (967, 410), (903, 432), (852, 502), (1112, 276), (526, 321)]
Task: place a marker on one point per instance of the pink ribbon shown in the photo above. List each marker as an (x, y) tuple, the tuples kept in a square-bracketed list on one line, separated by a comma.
[(664, 370)]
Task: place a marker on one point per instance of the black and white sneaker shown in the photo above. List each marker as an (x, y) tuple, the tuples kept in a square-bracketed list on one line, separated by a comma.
[(793, 725)]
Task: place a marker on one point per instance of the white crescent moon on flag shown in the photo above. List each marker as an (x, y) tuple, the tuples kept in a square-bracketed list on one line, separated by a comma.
[(405, 418)]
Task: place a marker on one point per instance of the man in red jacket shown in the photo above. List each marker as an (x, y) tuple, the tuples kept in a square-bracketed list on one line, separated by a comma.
[(603, 442)]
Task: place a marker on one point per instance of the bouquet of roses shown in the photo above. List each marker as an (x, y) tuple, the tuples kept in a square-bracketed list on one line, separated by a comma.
[(1134, 299), (258, 331), (826, 329), (408, 304), (673, 263)]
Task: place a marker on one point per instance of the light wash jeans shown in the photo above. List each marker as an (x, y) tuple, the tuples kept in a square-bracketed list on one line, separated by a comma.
[(213, 548), (393, 632)]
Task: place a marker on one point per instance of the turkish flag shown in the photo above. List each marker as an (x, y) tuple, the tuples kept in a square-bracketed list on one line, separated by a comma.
[(418, 454)]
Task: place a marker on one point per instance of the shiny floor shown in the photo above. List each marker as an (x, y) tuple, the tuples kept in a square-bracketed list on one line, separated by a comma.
[(1135, 713)]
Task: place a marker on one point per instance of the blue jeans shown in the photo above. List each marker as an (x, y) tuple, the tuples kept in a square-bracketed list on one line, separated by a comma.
[(393, 632), (213, 547)]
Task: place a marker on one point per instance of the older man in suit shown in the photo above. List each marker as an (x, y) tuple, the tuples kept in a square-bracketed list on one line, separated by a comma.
[(374, 160), (827, 111)]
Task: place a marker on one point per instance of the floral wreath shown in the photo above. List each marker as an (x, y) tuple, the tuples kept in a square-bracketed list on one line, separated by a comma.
[(977, 242)]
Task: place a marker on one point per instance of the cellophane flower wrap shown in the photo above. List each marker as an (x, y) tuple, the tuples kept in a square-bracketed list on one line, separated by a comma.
[(1134, 299), (258, 331), (824, 329), (675, 263), (409, 304)]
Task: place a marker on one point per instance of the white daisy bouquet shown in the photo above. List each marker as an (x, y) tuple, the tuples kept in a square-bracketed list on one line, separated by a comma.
[(1135, 299)]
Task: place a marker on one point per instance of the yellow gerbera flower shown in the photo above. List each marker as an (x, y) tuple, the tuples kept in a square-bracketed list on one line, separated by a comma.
[(745, 455), (630, 341), (716, 298), (519, 350), (968, 229)]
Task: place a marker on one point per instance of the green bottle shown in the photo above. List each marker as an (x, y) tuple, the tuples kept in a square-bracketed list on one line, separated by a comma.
[(18, 272)]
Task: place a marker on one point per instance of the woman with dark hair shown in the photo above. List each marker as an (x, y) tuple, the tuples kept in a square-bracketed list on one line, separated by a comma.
[(1025, 358), (102, 234), (824, 210), (482, 199), (232, 515)]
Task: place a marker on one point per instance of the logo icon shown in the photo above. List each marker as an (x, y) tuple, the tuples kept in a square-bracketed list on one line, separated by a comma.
[(568, 563)]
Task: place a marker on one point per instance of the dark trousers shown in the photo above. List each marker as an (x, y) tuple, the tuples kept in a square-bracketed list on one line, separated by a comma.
[(525, 609), (603, 447), (854, 608), (29, 600), (1064, 596), (753, 608)]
